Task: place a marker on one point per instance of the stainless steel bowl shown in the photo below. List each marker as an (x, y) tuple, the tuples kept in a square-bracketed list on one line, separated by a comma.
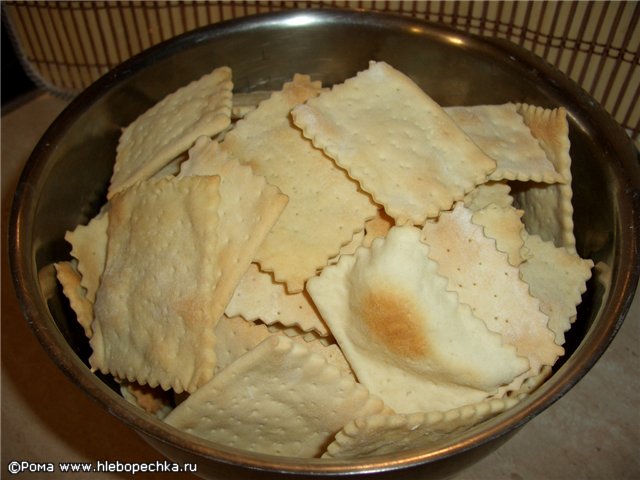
[(64, 184)]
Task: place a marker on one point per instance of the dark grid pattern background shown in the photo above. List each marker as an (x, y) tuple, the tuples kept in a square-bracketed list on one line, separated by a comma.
[(66, 45)]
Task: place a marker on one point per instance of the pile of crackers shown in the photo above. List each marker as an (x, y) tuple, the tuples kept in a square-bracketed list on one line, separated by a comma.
[(330, 272)]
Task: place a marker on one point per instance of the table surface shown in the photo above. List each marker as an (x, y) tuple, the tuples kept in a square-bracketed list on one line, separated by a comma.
[(593, 432)]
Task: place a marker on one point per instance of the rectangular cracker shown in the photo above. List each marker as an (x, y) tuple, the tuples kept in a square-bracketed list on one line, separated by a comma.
[(501, 133), (155, 309), (242, 406), (396, 141), (325, 206), (169, 128)]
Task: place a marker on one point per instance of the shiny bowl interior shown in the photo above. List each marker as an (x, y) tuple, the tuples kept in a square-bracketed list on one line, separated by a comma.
[(65, 180)]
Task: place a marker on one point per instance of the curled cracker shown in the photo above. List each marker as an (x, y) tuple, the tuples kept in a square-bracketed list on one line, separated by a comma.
[(408, 339)]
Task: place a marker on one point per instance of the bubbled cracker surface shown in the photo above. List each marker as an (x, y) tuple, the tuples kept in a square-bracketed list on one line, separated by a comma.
[(243, 406), (170, 127), (155, 308), (408, 339), (325, 206), (396, 141)]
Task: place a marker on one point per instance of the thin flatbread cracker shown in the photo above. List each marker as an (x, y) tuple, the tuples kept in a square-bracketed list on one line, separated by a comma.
[(548, 211), (502, 134), (315, 223), (384, 434), (170, 127), (413, 160), (406, 337), (483, 279), (557, 277), (242, 406), (155, 309)]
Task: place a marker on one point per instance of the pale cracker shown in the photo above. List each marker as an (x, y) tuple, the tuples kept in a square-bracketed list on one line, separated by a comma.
[(170, 127), (502, 134), (235, 336), (548, 210), (325, 206), (70, 279), (384, 434), (155, 309), (242, 406), (396, 141), (257, 296), (483, 279), (89, 246), (557, 277), (406, 337)]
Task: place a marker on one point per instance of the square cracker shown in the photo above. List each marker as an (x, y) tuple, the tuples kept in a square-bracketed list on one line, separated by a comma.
[(383, 434), (501, 133), (242, 406), (170, 127), (396, 141), (177, 250), (406, 337), (325, 206)]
